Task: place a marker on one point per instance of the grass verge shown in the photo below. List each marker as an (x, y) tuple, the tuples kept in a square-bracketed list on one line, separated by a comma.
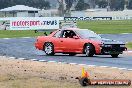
[(107, 27), (19, 33), (101, 27), (129, 45)]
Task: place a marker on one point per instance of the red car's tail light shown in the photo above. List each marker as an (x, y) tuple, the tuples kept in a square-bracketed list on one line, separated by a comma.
[(37, 40)]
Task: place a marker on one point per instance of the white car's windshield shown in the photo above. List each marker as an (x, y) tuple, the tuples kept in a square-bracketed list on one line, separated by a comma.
[(87, 34)]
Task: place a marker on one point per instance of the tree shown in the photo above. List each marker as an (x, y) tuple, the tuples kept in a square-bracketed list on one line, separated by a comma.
[(117, 4), (130, 4), (68, 5), (42, 4), (81, 5), (4, 4), (102, 3), (61, 8)]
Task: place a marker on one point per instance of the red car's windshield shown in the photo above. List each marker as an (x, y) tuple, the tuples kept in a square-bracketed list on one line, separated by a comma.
[(87, 34)]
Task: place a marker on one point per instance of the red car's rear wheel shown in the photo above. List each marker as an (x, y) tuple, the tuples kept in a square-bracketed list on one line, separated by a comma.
[(72, 54), (49, 48)]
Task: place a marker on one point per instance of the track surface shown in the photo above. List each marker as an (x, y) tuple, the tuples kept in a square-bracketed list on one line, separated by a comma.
[(24, 48)]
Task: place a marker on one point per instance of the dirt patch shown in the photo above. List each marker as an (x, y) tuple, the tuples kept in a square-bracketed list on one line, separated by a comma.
[(22, 74)]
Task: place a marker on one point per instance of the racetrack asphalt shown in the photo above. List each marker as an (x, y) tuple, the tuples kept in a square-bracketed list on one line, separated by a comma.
[(24, 48)]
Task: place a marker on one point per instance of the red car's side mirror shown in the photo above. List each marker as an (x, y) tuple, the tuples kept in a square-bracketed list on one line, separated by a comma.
[(75, 37)]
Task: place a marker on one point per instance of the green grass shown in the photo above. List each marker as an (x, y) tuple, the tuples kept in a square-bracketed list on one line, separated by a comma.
[(129, 45), (101, 27), (107, 27), (22, 33)]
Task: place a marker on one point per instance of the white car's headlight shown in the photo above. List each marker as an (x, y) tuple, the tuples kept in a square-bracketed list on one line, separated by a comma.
[(122, 45), (108, 45)]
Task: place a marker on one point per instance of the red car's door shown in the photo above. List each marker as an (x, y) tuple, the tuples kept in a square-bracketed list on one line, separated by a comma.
[(63, 42), (70, 44), (56, 41)]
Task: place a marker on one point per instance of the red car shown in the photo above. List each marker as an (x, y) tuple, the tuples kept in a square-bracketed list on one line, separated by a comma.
[(74, 41)]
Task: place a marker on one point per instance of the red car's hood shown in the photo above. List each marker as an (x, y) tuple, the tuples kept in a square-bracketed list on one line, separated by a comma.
[(106, 41), (109, 41)]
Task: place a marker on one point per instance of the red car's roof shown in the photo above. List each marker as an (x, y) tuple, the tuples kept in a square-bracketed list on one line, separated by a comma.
[(70, 29)]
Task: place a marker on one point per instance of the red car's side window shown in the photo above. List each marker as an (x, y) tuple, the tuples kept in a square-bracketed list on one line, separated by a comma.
[(57, 34), (68, 34)]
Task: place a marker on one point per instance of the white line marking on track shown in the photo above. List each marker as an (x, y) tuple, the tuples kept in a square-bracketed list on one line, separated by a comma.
[(60, 62), (129, 69), (122, 68), (104, 66), (81, 64), (65, 63), (73, 63), (34, 59), (91, 65), (125, 33), (22, 58), (25, 37), (4, 56), (12, 57), (70, 63), (6, 38), (114, 67), (18, 37), (52, 61), (42, 60)]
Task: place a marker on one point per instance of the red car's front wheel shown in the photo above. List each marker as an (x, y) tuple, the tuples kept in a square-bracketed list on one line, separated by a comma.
[(89, 50)]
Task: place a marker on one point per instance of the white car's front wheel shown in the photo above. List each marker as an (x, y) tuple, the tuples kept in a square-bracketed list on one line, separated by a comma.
[(114, 55)]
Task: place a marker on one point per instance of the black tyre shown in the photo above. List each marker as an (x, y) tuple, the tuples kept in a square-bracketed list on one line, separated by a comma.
[(89, 50), (72, 54), (114, 55), (49, 48), (84, 81)]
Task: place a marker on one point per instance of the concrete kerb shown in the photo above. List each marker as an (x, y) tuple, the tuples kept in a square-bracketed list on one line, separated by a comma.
[(69, 63)]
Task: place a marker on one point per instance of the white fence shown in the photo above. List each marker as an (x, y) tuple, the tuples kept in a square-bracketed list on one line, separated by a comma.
[(35, 23), (30, 23), (98, 18)]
